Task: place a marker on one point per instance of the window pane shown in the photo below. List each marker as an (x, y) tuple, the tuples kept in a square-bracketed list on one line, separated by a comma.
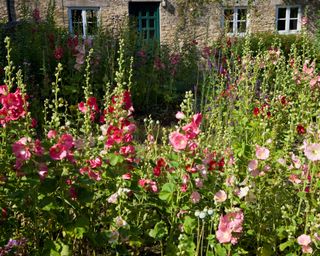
[(151, 23), (143, 13), (228, 14), (242, 14), (282, 13), (151, 34), (241, 27), (294, 12), (229, 27), (76, 20), (92, 21), (144, 23), (151, 13), (293, 24), (281, 25)]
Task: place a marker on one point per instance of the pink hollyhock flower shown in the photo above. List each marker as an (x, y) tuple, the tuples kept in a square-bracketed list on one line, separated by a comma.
[(224, 236), (113, 199), (180, 115), (229, 224), (307, 249), (21, 149), (43, 171), (126, 176), (67, 141), (58, 152), (52, 134), (4, 89), (82, 107), (198, 182), (304, 240), (38, 149), (120, 222), (262, 153), (312, 151), (94, 163), (183, 188), (178, 141), (94, 175), (253, 165), (304, 20), (220, 196), (127, 150), (196, 119), (195, 197)]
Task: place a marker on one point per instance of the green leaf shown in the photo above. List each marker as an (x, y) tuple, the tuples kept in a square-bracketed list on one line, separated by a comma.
[(220, 250), (54, 253), (49, 207), (65, 250), (159, 231), (189, 225), (166, 193), (115, 159), (284, 245)]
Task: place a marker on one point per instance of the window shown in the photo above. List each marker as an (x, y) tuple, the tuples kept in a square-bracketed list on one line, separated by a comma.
[(83, 21), (288, 19), (146, 16), (235, 20)]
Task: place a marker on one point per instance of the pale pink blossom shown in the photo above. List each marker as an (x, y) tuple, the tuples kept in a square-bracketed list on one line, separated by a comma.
[(195, 197), (294, 179), (199, 182), (224, 236), (52, 134), (307, 249), (178, 140), (262, 153), (253, 165), (220, 196), (243, 192), (120, 222), (113, 199), (180, 115), (312, 152), (304, 240)]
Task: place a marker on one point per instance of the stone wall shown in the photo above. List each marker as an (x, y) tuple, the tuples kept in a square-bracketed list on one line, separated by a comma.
[(174, 28)]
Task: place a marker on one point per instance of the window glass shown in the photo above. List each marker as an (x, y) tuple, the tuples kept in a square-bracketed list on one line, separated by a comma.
[(241, 27), (294, 12), (77, 25), (92, 22), (282, 13), (293, 24), (281, 25), (242, 14)]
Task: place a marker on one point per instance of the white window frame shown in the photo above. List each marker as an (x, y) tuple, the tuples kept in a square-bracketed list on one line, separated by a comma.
[(287, 19), (84, 18), (235, 20)]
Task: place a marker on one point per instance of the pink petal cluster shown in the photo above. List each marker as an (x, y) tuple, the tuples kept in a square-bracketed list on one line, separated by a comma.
[(230, 226), (304, 241), (178, 140), (262, 153), (220, 196), (148, 185), (62, 149), (312, 151), (91, 105), (181, 141), (13, 105), (195, 197)]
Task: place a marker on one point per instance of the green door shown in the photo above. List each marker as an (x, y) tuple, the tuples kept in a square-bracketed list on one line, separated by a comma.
[(146, 16)]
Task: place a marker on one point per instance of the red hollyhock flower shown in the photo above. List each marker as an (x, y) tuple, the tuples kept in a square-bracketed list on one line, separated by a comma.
[(301, 129), (58, 53), (256, 111)]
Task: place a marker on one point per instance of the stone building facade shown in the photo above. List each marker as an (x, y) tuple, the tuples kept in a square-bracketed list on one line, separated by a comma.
[(161, 19)]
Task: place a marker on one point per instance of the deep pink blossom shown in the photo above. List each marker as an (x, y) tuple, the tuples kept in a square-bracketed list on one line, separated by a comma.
[(178, 140)]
